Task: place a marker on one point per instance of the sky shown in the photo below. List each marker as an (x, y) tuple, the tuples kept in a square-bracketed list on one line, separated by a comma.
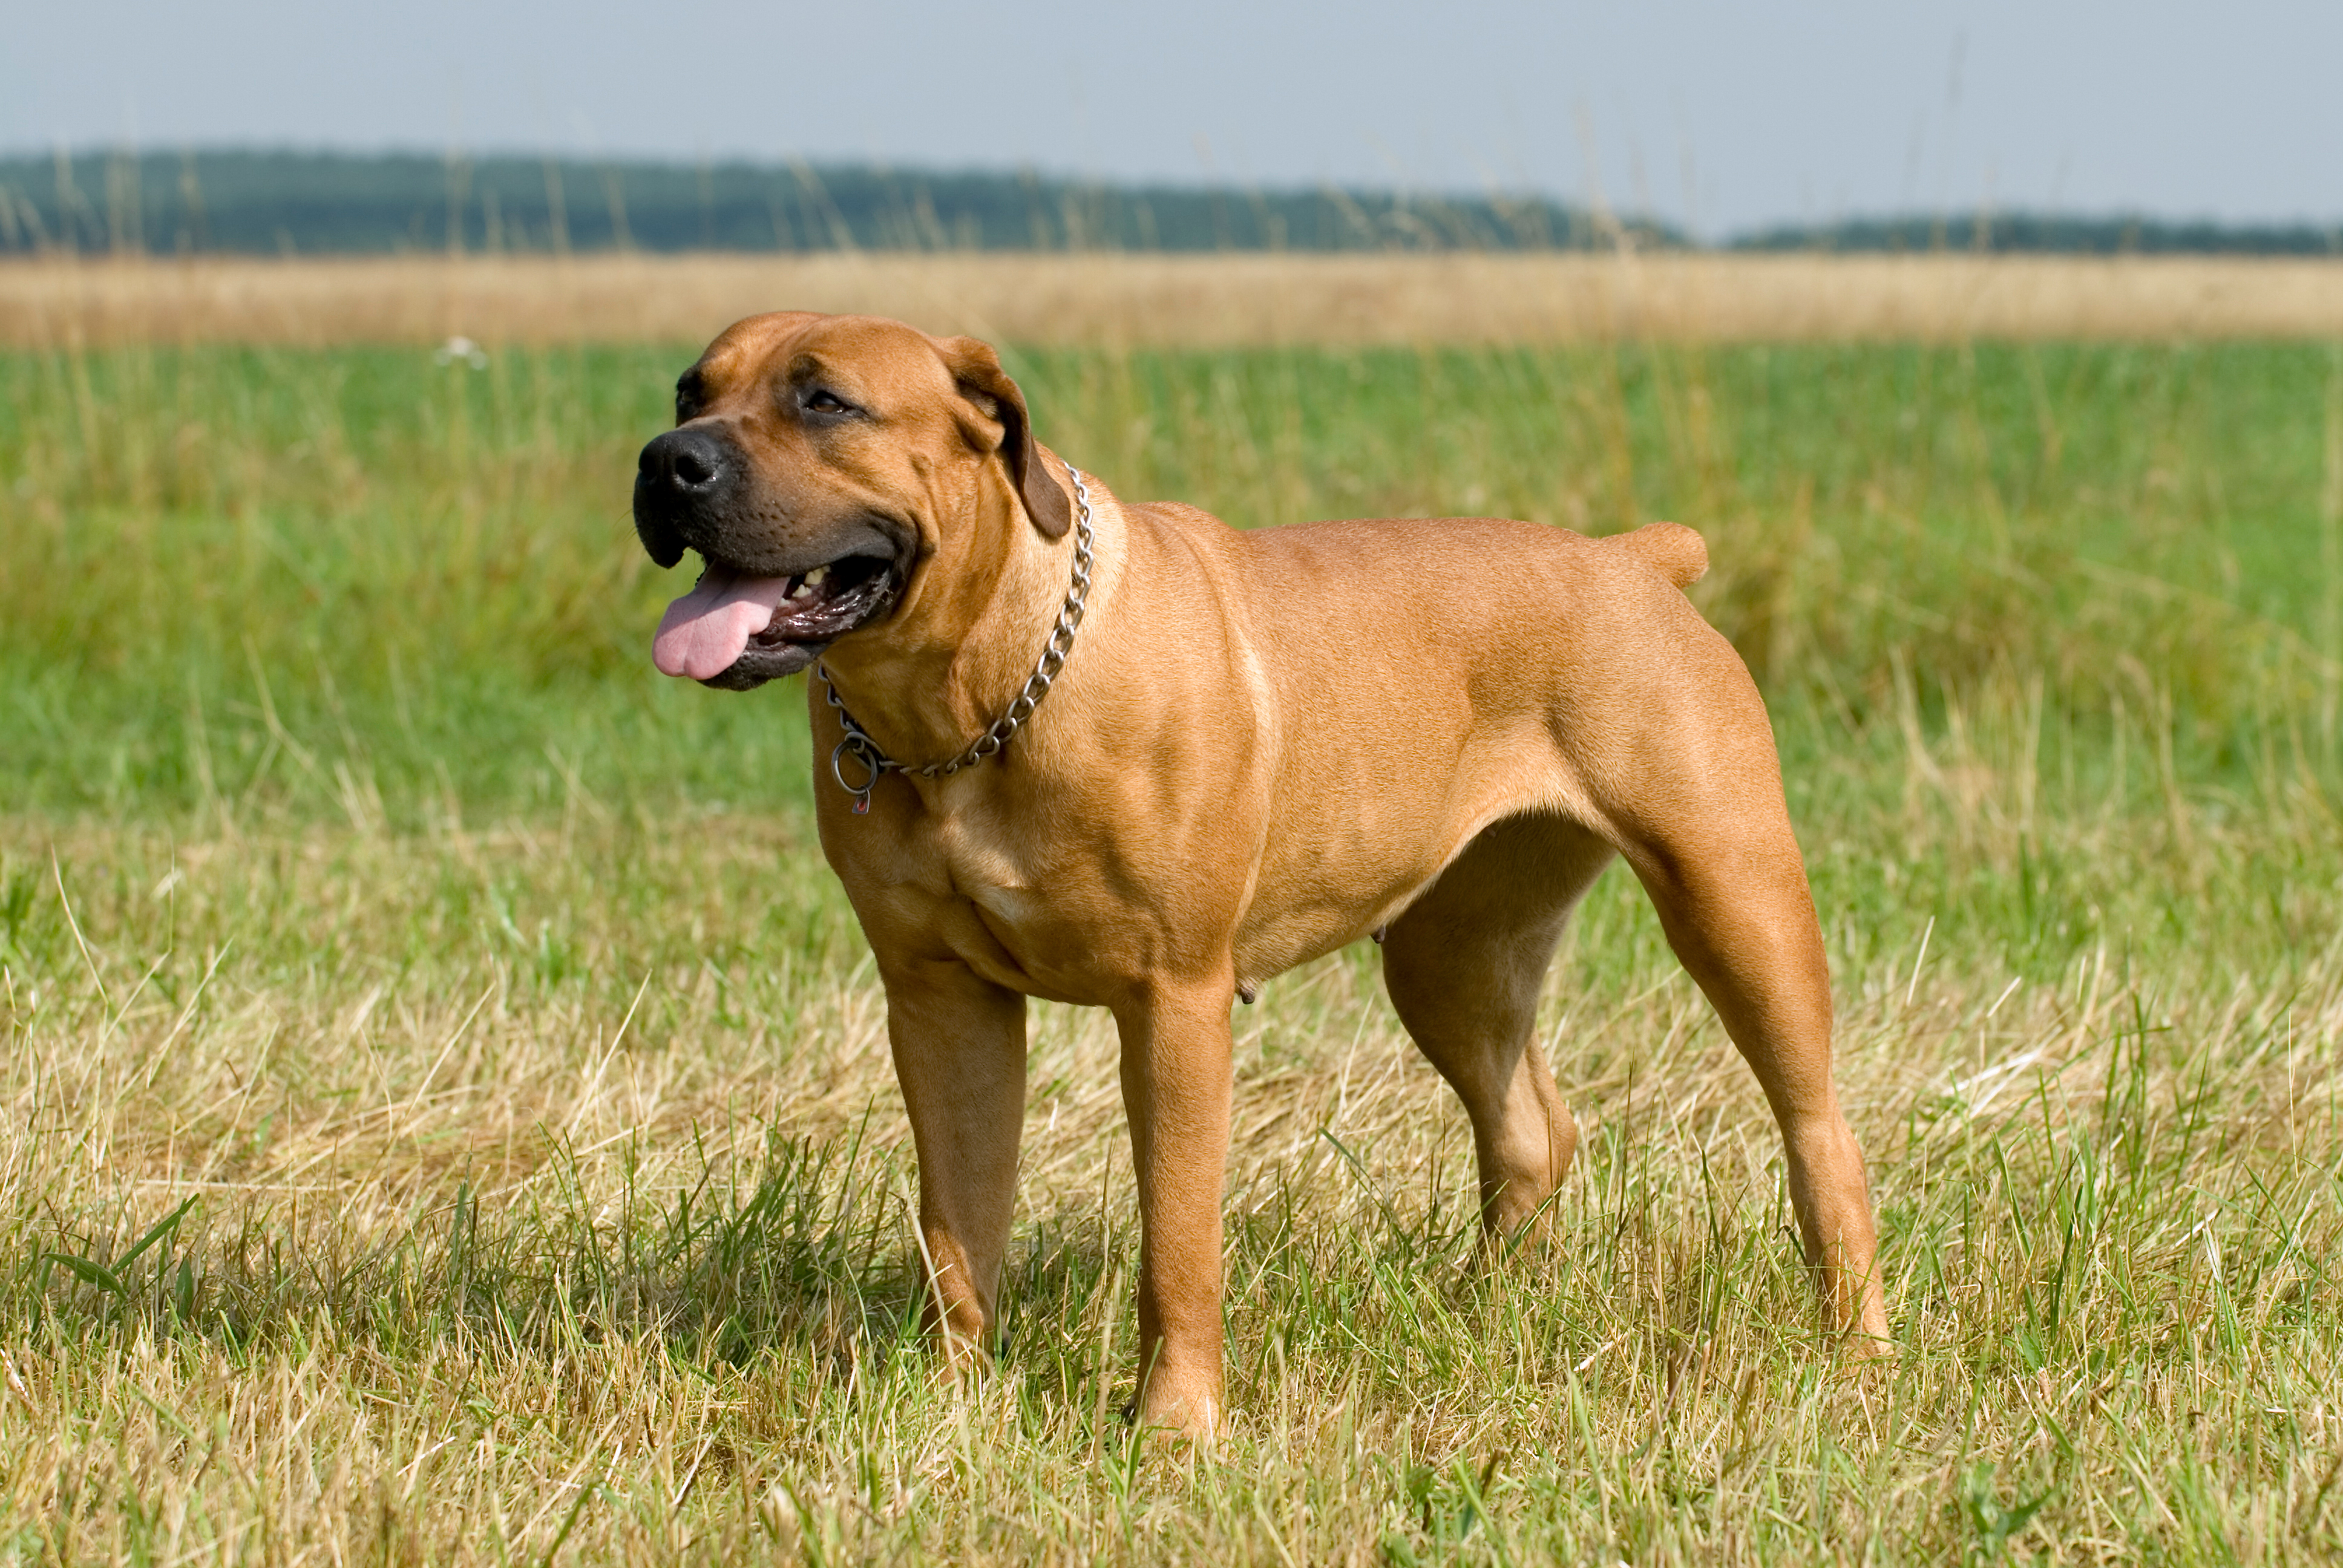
[(1720, 114)]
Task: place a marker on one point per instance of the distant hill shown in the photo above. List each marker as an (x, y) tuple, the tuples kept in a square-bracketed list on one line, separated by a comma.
[(266, 202), (311, 203), (2048, 232)]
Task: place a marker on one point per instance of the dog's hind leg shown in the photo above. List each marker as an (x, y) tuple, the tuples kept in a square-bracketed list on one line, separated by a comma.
[(1464, 965), (1697, 805), (1735, 909)]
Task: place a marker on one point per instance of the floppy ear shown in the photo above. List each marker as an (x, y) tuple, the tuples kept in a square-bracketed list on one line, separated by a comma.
[(977, 369)]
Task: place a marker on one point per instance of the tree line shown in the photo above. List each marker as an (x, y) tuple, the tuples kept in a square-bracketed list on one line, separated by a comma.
[(330, 203), (242, 202)]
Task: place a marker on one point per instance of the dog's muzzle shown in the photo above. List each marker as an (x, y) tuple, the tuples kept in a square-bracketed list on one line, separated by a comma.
[(686, 483)]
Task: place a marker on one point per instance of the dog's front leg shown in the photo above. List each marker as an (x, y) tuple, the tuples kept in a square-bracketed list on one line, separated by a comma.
[(959, 1043), (1176, 1087)]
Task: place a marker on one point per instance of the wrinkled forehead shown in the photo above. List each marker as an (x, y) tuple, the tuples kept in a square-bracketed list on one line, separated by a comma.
[(869, 352)]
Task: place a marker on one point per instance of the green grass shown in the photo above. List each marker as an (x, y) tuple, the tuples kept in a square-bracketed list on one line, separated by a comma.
[(449, 1110)]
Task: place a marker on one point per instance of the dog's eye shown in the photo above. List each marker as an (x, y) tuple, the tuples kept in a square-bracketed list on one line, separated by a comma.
[(821, 400)]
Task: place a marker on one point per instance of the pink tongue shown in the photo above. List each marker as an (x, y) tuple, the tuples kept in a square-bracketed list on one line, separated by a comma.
[(703, 632)]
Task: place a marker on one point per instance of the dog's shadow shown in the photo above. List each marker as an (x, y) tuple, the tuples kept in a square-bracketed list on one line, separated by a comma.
[(802, 1252), (801, 1248)]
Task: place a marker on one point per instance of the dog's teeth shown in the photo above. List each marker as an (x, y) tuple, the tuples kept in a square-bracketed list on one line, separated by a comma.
[(801, 591), (813, 578)]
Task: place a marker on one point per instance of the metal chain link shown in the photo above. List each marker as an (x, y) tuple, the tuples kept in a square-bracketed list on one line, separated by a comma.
[(864, 752)]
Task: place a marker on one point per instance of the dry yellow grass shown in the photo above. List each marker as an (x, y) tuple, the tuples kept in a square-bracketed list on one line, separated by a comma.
[(432, 1305), (1190, 300)]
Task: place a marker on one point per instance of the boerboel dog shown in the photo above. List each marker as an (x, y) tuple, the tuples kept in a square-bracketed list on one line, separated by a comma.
[(1122, 755)]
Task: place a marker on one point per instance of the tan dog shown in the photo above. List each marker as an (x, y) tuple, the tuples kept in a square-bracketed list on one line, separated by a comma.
[(1262, 746)]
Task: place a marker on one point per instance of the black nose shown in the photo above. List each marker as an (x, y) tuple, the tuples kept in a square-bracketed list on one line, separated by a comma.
[(688, 461), (684, 483)]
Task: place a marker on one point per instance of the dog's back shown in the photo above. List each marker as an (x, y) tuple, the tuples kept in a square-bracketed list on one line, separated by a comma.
[(1674, 551)]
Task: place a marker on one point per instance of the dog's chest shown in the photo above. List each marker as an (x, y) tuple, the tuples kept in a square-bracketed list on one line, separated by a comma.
[(1007, 916)]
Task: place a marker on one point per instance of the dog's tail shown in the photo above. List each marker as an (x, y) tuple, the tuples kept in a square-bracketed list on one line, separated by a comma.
[(1671, 549)]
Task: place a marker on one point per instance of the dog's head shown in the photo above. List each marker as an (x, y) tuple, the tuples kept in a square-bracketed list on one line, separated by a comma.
[(819, 464)]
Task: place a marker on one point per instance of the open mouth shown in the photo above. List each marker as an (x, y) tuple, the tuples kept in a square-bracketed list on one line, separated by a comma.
[(737, 630)]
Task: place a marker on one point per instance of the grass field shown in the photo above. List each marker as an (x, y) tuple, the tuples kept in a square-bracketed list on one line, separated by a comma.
[(449, 1116)]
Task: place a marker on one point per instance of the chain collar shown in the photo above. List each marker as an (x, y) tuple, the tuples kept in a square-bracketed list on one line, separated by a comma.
[(859, 750)]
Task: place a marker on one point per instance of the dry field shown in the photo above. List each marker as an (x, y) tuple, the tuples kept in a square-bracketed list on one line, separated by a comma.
[(1120, 301), (586, 1245)]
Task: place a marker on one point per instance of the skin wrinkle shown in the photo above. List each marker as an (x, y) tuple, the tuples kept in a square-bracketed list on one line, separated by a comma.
[(1150, 838)]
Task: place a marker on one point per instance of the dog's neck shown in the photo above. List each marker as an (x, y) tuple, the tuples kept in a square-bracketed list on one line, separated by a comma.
[(947, 664)]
